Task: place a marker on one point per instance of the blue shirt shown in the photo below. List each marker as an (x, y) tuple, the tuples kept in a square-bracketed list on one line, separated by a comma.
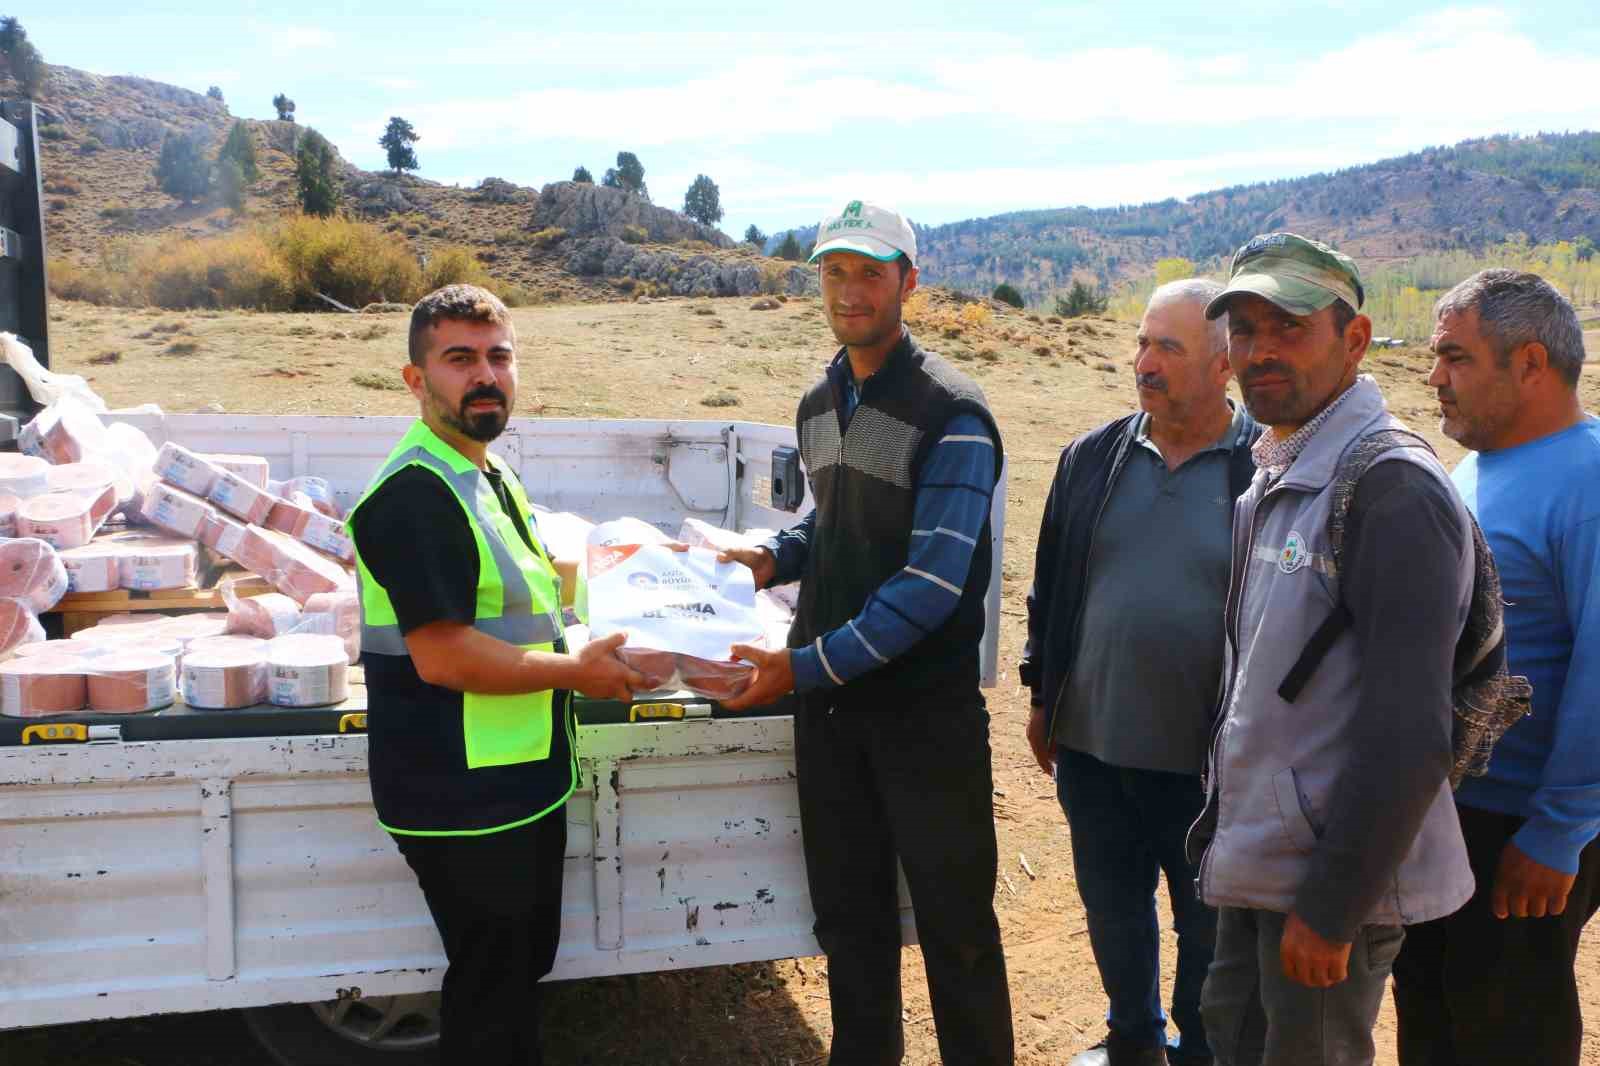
[(1539, 506), (951, 506)]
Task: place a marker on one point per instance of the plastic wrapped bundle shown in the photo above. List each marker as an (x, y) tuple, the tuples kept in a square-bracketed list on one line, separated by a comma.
[(31, 573), (40, 686), (18, 625), (178, 466), (252, 468), (64, 432), (225, 676), (289, 566), (148, 563), (563, 534), (308, 491), (236, 495), (63, 519), (218, 527), (123, 629), (132, 681), (102, 482), (198, 626), (307, 670), (94, 567), (337, 613), (229, 642), (9, 505), (305, 523), (23, 475), (268, 615), (176, 510)]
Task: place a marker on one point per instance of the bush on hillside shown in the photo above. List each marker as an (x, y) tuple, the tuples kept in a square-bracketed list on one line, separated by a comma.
[(1080, 300), (316, 184), (182, 171), (26, 64), (454, 264), (635, 234), (547, 237), (230, 183), (240, 148), (582, 176), (354, 262), (1007, 293)]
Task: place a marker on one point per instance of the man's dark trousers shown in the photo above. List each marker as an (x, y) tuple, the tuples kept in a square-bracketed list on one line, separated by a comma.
[(1128, 828), (496, 900), (913, 782), (1473, 988)]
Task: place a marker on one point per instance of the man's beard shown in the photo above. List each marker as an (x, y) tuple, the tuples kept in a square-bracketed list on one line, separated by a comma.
[(482, 427)]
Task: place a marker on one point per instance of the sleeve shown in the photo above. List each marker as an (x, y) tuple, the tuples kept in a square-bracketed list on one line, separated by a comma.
[(1402, 585), (952, 503), (1564, 812), (415, 541), (789, 549), (1031, 668)]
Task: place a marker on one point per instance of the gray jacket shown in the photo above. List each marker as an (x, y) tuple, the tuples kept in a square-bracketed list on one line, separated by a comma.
[(1274, 765)]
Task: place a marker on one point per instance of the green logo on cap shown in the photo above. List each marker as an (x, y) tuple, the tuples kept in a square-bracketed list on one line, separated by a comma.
[(852, 209)]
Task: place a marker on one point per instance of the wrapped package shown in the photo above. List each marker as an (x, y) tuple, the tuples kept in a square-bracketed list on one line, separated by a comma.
[(218, 527), (267, 615), (224, 677), (236, 495), (288, 565), (685, 604), (8, 514), (31, 573), (18, 625), (178, 466), (311, 491), (43, 649), (563, 534), (200, 625), (252, 468), (23, 475), (62, 519), (697, 533), (229, 642), (107, 486), (132, 681), (337, 613), (139, 628), (176, 510), (155, 562), (311, 526), (130, 449), (39, 686), (307, 670), (93, 567), (65, 432)]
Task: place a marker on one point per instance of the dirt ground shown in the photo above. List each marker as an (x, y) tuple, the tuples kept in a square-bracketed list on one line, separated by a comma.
[(1047, 381)]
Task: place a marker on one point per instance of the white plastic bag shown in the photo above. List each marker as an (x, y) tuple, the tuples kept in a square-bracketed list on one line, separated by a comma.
[(45, 386)]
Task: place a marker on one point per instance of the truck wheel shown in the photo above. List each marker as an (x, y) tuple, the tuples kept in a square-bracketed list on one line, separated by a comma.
[(377, 1031)]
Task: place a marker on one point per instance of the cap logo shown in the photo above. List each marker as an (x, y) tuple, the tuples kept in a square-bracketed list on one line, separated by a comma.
[(852, 209)]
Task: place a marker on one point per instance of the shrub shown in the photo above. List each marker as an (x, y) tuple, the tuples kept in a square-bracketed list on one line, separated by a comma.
[(372, 379), (52, 133), (547, 237), (1007, 293), (317, 187), (62, 187), (453, 264), (182, 170), (774, 277), (974, 316), (1080, 300), (582, 176), (230, 185), (703, 201), (237, 270), (635, 234), (353, 262), (240, 147)]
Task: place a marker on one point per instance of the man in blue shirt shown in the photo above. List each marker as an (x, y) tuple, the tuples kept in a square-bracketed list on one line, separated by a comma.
[(1494, 982), (892, 738)]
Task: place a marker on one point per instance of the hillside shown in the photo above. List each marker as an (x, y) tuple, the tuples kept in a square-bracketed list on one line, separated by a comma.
[(100, 138), (1476, 193)]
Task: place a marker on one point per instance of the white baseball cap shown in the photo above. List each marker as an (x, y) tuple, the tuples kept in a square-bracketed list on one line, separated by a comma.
[(866, 229)]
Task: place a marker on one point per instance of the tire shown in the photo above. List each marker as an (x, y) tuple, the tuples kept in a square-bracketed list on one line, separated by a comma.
[(378, 1031)]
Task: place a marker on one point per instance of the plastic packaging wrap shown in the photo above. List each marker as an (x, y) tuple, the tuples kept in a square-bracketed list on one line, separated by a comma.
[(252, 468), (289, 566), (224, 676), (95, 567), (121, 629), (23, 475), (219, 527), (133, 454), (99, 481), (683, 604), (39, 686), (696, 533), (154, 562), (337, 613), (236, 495), (308, 490), (65, 432), (177, 465), (31, 573), (18, 625), (201, 625), (44, 386), (176, 510), (132, 681), (307, 670), (265, 615), (563, 534), (8, 514), (311, 527), (63, 519)]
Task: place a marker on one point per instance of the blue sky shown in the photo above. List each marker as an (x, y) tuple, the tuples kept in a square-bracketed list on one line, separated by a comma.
[(948, 111)]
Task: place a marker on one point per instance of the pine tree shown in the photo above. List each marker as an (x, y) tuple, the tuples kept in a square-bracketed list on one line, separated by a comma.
[(240, 148), (284, 106), (582, 176), (790, 248), (27, 65), (182, 171), (630, 174), (703, 201), (317, 185), (755, 236), (1007, 293), (397, 139), (215, 93)]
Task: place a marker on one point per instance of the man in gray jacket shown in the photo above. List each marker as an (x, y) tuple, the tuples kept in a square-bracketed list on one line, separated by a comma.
[(1329, 823)]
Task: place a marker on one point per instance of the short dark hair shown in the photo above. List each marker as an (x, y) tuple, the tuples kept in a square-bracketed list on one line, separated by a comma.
[(453, 303), (1515, 308), (1343, 315), (905, 264)]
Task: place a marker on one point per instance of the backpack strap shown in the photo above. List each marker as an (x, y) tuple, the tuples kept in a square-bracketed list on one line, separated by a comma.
[(1355, 462)]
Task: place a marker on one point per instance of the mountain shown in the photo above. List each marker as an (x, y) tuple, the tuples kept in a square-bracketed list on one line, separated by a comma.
[(1478, 192)]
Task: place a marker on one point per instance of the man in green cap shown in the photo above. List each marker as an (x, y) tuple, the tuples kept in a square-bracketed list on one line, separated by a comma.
[(1329, 822)]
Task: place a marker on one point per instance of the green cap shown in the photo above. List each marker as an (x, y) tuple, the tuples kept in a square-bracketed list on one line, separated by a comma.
[(1296, 273)]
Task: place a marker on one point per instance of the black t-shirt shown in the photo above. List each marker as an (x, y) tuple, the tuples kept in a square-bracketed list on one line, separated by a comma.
[(415, 540)]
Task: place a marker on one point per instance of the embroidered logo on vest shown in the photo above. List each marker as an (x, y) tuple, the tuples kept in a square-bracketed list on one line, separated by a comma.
[(1294, 554)]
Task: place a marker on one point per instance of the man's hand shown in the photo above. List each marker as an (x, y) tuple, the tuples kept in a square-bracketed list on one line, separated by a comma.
[(599, 674), (1309, 959), (761, 562), (774, 676), (1044, 749), (1526, 888)]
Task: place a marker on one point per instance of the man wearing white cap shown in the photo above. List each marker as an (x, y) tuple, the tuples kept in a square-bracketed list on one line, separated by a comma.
[(892, 739)]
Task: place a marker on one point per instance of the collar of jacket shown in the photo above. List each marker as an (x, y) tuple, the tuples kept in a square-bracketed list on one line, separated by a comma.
[(1314, 467), (895, 364), (1245, 429)]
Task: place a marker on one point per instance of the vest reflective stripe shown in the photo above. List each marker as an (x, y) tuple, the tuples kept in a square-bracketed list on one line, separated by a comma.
[(518, 600)]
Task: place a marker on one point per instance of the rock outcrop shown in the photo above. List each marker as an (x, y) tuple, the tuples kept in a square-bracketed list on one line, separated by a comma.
[(687, 274), (585, 210)]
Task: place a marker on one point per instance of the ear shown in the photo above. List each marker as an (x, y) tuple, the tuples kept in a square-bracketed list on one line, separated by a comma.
[(412, 373), (1530, 361), (1357, 336), (909, 285)]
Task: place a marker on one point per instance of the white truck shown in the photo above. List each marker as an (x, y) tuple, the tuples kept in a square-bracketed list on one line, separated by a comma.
[(186, 861)]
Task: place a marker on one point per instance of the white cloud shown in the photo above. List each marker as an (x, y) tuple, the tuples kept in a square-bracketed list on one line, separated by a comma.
[(293, 38)]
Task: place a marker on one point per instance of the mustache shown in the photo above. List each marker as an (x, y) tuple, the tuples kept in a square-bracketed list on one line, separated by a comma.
[(1447, 395), (1255, 373), (486, 392), (1153, 382)]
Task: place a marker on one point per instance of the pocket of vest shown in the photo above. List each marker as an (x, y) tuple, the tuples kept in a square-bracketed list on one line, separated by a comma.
[(506, 730), (1292, 813)]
